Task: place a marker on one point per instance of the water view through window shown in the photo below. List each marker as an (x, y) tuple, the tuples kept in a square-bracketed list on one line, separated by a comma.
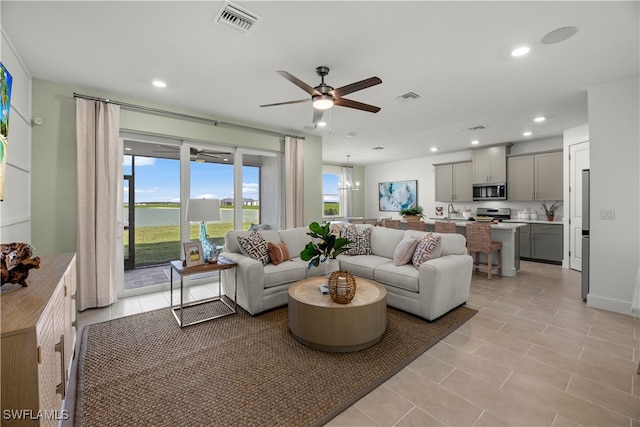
[(155, 184)]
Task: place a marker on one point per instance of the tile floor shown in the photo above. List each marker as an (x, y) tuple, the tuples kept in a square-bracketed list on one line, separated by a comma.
[(534, 355)]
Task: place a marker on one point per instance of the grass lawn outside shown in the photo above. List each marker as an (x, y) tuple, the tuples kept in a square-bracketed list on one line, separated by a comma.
[(161, 244)]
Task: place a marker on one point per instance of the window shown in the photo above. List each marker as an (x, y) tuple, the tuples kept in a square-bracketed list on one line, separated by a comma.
[(331, 203)]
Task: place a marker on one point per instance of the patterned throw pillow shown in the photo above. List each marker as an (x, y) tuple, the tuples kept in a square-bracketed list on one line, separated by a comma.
[(404, 251), (255, 247), (424, 249), (361, 240), (278, 253)]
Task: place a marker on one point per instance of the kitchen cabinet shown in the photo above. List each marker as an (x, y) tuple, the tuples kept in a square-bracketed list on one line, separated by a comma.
[(535, 176), (453, 182), (542, 242), (525, 241), (490, 164), (38, 339)]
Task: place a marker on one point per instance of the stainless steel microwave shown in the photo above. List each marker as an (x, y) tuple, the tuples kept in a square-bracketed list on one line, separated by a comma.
[(490, 191)]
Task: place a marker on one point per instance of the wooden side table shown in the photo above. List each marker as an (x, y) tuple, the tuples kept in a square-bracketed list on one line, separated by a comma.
[(224, 306)]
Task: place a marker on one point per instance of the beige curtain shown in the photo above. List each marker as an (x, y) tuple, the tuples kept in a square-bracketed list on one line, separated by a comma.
[(99, 167), (294, 182)]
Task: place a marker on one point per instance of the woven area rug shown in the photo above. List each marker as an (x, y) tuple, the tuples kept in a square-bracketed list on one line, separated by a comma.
[(236, 370)]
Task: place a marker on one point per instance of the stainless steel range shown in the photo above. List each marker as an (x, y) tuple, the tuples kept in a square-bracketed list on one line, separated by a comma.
[(499, 214)]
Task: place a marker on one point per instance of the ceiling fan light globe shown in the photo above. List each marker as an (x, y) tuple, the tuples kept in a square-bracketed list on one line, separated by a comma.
[(323, 102)]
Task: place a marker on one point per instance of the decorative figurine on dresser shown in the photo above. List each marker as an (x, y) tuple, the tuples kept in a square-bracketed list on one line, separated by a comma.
[(16, 261)]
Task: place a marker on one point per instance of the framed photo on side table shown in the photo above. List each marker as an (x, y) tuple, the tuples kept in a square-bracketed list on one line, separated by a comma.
[(193, 254)]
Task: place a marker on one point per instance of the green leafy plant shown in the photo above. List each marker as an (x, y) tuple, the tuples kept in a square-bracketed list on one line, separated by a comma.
[(551, 209), (416, 211), (330, 245)]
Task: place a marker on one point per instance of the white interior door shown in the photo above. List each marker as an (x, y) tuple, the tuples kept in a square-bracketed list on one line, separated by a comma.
[(578, 160)]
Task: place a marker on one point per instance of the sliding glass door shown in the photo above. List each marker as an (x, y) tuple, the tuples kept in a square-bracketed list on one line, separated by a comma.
[(158, 182)]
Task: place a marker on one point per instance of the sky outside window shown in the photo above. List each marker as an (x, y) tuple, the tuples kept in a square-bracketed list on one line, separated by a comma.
[(155, 180)]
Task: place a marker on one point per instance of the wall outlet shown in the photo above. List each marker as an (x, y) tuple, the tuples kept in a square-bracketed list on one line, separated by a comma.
[(609, 214)]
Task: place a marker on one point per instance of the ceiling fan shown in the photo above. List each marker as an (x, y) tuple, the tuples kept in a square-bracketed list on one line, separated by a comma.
[(197, 154), (324, 96)]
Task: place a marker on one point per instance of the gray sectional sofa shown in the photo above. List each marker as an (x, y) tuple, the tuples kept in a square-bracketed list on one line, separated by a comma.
[(436, 287)]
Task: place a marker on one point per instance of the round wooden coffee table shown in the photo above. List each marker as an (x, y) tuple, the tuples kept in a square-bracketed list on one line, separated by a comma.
[(318, 322)]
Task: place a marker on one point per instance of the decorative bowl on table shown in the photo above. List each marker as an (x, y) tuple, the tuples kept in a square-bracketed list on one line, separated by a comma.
[(483, 218)]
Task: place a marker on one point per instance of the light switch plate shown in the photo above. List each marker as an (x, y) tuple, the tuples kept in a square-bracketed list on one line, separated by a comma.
[(609, 214)]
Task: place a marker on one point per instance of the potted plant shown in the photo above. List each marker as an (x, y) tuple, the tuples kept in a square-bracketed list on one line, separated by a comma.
[(328, 248), (550, 211), (412, 214)]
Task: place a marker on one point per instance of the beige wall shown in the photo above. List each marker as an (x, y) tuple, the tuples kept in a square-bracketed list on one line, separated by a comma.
[(614, 145), (54, 160)]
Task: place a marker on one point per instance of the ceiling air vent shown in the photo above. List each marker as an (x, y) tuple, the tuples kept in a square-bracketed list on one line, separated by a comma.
[(409, 96), (480, 127), (236, 18)]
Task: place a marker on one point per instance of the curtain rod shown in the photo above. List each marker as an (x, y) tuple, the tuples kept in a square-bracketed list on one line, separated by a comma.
[(184, 116)]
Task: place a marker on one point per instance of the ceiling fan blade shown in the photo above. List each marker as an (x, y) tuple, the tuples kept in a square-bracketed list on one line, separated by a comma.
[(357, 105), (296, 81), (317, 116), (354, 87), (209, 155), (287, 102)]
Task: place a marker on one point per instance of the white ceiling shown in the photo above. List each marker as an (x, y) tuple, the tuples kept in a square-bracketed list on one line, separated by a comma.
[(456, 55)]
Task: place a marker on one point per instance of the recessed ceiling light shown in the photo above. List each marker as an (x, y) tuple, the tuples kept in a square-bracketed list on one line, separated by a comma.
[(127, 148), (539, 119), (527, 133), (351, 134), (475, 142), (322, 124), (520, 51), (159, 83), (434, 149)]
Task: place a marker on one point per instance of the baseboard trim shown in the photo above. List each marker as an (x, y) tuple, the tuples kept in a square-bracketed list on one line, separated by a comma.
[(609, 304)]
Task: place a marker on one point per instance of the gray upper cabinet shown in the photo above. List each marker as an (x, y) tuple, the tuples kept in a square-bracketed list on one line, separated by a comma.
[(453, 182), (535, 176), (548, 171), (490, 164)]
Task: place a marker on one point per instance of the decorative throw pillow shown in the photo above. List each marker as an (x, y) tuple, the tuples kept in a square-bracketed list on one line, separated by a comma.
[(255, 247), (335, 230), (361, 240), (278, 253), (424, 249), (404, 251)]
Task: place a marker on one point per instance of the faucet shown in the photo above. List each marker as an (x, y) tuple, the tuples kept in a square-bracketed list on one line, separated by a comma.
[(450, 210)]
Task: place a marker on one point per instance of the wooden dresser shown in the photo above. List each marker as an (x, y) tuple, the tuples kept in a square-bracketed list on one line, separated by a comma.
[(38, 340)]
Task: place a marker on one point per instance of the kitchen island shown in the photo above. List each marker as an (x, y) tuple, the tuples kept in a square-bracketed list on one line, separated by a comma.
[(504, 232)]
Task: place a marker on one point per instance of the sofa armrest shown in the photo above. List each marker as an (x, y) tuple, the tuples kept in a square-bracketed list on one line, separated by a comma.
[(250, 277), (444, 283)]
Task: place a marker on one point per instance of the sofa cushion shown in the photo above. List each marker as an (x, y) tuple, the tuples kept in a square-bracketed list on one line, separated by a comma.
[(385, 240), (255, 246), (399, 276), (296, 239), (361, 240), (362, 265), (287, 272), (404, 251), (278, 252), (424, 249)]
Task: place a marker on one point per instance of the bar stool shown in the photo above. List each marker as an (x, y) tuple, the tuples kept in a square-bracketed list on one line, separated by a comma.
[(444, 227), (392, 223), (479, 241), (416, 225)]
